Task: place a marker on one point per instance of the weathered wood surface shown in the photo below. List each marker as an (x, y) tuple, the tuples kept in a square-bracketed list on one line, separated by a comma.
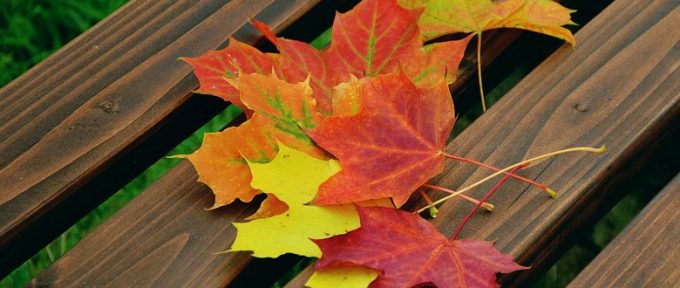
[(603, 92), (646, 253), (82, 123), (192, 198), (164, 236), (88, 119), (619, 87)]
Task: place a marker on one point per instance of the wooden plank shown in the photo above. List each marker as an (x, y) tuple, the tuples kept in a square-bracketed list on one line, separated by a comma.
[(82, 123), (155, 228), (602, 92), (646, 253), (85, 121), (163, 238)]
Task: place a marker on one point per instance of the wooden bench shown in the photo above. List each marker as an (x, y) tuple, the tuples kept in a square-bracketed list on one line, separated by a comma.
[(82, 123), (646, 254)]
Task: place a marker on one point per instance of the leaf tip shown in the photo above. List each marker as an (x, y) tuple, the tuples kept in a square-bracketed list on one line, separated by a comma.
[(215, 206), (602, 149), (178, 156), (551, 192)]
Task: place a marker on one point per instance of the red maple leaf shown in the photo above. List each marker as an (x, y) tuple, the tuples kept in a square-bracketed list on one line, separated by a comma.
[(213, 67), (376, 37), (410, 251), (392, 146)]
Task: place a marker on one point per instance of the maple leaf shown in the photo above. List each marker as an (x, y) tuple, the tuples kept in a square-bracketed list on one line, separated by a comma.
[(437, 59), (298, 61), (390, 147), (342, 277), (287, 109), (373, 38), (220, 164), (293, 177), (443, 17), (213, 67), (282, 111), (270, 206), (376, 37), (410, 251)]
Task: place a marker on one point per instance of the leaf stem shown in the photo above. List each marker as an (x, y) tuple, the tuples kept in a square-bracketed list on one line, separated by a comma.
[(433, 210), (540, 158), (488, 206), (543, 187), (486, 197), (479, 70)]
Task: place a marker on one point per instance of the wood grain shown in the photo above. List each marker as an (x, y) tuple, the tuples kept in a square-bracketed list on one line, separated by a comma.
[(197, 248), (584, 97), (78, 126), (167, 221), (588, 96), (646, 253), (164, 238), (85, 121)]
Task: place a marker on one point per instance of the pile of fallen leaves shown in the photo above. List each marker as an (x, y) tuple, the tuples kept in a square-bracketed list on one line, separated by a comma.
[(340, 138)]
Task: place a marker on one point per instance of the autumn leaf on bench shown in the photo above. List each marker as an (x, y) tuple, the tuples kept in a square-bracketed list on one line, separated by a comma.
[(392, 146), (214, 67), (443, 17), (293, 177), (376, 37), (286, 109), (410, 251), (220, 162), (281, 111), (342, 277)]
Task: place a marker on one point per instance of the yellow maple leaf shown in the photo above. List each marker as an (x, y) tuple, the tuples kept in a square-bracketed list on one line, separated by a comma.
[(443, 17), (342, 277), (294, 178)]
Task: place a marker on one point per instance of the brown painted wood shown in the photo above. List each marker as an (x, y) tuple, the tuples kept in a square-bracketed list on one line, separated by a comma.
[(619, 87), (586, 96), (85, 121), (163, 238), (166, 222), (646, 253), (78, 266), (494, 44), (79, 125), (301, 278)]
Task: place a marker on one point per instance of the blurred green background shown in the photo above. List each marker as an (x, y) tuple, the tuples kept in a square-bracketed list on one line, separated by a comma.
[(31, 30)]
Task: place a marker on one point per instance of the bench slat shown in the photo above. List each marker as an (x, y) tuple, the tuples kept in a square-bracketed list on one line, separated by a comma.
[(620, 87), (81, 124), (495, 44), (75, 164), (602, 92), (163, 238), (646, 253), (166, 221)]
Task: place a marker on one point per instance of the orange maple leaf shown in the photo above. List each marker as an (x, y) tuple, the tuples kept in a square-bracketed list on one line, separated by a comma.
[(213, 67), (220, 162)]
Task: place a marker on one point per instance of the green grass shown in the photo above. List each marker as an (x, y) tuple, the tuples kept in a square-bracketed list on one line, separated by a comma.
[(31, 30)]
